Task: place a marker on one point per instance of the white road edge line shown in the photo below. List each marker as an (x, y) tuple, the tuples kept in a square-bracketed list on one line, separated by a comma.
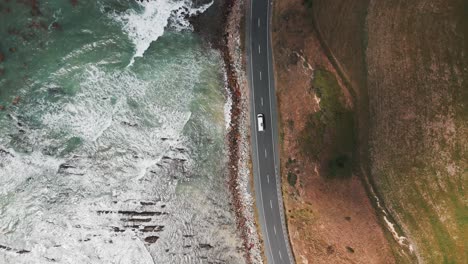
[(258, 163), (278, 188)]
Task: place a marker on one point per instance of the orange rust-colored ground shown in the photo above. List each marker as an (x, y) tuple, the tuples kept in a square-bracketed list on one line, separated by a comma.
[(329, 220)]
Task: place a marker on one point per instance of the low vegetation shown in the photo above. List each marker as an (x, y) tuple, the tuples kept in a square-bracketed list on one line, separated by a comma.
[(329, 133), (292, 178)]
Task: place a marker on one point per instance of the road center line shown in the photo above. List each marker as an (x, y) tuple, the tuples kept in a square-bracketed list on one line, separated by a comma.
[(258, 48), (261, 100), (260, 75), (279, 252), (267, 242), (266, 154), (268, 178), (274, 229), (271, 205)]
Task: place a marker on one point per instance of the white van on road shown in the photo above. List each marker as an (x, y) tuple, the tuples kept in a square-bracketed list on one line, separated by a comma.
[(261, 122)]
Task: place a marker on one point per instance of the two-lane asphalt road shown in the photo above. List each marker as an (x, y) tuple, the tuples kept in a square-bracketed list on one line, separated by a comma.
[(265, 143)]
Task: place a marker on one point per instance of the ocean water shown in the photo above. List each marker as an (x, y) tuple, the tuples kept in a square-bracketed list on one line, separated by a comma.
[(112, 135)]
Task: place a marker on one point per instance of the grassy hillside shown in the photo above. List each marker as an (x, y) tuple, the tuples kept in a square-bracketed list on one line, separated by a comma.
[(406, 63)]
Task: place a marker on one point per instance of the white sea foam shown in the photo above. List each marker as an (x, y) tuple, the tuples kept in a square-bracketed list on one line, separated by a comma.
[(121, 160), (17, 168), (88, 48), (148, 24), (93, 113), (179, 18), (227, 104), (119, 148), (133, 147)]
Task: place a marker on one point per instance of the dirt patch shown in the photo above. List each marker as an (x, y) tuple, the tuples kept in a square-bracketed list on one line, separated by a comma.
[(330, 219)]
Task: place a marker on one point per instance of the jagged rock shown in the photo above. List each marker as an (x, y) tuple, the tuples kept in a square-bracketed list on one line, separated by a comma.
[(151, 239), (157, 228), (65, 166), (117, 229), (3, 151), (147, 203), (129, 124), (99, 212), (135, 219), (205, 246), (5, 247), (134, 213)]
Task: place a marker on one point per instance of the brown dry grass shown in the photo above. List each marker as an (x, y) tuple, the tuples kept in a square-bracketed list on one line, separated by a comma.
[(329, 220)]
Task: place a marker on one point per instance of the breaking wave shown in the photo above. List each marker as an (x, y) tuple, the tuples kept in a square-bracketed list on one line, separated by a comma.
[(147, 24), (99, 161)]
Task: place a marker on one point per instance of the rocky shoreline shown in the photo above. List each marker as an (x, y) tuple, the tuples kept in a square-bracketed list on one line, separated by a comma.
[(227, 39), (221, 26), (238, 137)]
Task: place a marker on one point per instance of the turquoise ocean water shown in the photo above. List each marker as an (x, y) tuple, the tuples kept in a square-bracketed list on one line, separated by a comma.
[(111, 135)]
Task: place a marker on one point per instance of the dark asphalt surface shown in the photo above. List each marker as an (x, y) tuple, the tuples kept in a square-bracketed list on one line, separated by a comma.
[(265, 144)]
